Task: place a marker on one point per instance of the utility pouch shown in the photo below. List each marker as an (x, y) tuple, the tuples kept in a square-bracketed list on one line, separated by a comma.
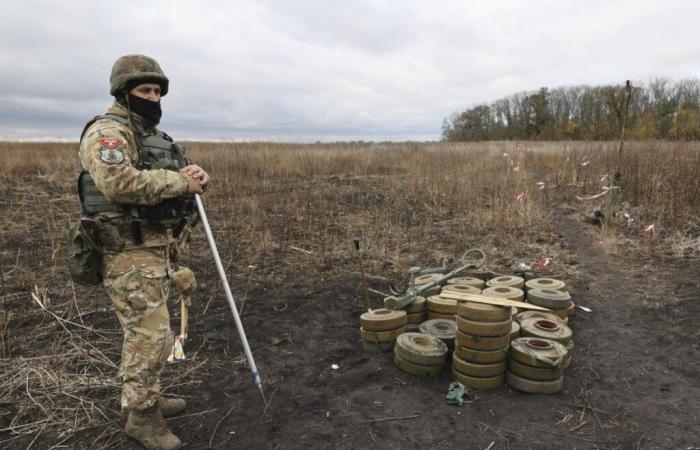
[(84, 252)]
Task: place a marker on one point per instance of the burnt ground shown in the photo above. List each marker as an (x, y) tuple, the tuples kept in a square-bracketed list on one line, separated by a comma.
[(634, 382)]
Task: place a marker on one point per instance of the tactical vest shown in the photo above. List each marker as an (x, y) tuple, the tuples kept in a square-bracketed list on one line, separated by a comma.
[(156, 151)]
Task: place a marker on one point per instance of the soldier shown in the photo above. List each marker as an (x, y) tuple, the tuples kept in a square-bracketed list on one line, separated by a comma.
[(137, 188)]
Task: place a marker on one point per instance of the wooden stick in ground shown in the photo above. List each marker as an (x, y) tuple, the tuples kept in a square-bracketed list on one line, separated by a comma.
[(356, 242), (211, 439), (478, 298), (387, 419), (183, 317)]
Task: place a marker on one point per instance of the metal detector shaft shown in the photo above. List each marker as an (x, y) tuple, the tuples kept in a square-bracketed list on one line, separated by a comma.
[(229, 295)]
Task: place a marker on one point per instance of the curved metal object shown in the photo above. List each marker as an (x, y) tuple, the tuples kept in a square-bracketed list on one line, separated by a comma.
[(479, 251), (431, 270), (408, 296), (396, 289)]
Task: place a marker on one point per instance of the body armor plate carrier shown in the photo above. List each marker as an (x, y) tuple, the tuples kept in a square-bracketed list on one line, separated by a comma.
[(156, 151)]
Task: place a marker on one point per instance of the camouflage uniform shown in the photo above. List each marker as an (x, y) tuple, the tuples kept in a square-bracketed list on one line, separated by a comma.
[(135, 269)]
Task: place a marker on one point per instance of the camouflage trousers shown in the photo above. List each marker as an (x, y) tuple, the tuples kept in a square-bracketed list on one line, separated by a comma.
[(137, 282)]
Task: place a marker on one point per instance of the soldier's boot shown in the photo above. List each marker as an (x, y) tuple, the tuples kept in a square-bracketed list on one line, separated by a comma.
[(149, 428), (170, 406)]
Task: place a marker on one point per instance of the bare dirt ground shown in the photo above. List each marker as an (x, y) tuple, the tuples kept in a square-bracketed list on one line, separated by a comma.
[(634, 382), (633, 385)]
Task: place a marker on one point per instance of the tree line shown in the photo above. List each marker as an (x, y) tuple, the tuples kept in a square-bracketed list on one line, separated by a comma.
[(660, 109)]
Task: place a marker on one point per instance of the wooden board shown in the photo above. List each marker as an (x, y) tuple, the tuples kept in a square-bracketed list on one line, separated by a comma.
[(489, 300)]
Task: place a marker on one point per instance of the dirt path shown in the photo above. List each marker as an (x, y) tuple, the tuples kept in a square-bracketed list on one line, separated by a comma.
[(635, 359)]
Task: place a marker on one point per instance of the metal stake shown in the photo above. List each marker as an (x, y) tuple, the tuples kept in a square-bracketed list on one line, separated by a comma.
[(356, 242), (229, 295)]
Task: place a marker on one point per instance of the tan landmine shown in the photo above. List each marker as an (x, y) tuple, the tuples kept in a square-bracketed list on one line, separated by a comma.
[(545, 283), (442, 305), (507, 281), (511, 293), (478, 382), (420, 354), (461, 289), (443, 329), (549, 298), (533, 386), (538, 352), (469, 281), (380, 328), (545, 329)]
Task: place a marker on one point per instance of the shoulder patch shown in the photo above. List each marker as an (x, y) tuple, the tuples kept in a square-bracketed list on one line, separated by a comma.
[(110, 143), (111, 155)]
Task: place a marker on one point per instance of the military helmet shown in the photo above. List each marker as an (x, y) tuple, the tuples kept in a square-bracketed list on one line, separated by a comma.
[(131, 70)]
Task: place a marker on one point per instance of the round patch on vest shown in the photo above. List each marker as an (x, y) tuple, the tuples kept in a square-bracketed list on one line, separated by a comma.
[(111, 155)]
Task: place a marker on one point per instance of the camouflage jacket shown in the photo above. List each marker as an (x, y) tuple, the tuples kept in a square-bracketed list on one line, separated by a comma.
[(109, 153)]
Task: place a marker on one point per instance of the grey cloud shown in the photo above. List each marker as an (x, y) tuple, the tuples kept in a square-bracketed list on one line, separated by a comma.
[(325, 68)]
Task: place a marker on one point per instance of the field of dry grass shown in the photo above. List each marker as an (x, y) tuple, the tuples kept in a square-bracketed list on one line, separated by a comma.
[(316, 196), (286, 211)]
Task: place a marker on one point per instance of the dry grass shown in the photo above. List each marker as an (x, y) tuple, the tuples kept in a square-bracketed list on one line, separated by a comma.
[(410, 203), (406, 200)]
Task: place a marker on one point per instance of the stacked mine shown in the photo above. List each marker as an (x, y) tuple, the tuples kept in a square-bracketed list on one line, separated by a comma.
[(506, 286), (443, 329), (441, 308), (415, 314), (490, 344), (507, 281), (483, 335), (468, 281), (553, 294), (461, 289), (538, 359), (380, 329), (550, 293), (420, 354), (536, 365), (548, 328)]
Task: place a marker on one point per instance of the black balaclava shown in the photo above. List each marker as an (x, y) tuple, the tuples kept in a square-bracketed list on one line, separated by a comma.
[(145, 108)]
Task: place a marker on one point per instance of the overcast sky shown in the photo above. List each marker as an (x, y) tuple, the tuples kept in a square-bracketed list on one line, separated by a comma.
[(326, 69)]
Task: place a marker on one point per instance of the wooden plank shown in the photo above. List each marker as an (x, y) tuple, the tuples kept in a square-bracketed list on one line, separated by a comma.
[(498, 301)]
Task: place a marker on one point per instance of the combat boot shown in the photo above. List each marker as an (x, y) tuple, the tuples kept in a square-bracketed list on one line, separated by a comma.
[(170, 406), (149, 428)]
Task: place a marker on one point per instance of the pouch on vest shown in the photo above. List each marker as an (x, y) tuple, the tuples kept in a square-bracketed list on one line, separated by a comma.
[(85, 253)]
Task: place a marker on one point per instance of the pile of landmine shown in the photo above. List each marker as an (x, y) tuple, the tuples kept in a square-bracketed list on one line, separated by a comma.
[(485, 340)]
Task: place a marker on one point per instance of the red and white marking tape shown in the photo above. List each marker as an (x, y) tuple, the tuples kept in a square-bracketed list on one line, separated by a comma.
[(542, 263)]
